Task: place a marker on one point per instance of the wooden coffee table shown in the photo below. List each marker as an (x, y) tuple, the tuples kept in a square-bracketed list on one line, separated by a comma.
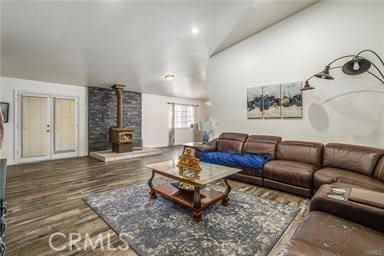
[(199, 198)]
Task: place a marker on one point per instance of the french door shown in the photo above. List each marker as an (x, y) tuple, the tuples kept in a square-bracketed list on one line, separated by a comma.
[(47, 127)]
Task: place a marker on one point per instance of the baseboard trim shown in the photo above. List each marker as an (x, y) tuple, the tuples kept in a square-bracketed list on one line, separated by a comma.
[(13, 162)]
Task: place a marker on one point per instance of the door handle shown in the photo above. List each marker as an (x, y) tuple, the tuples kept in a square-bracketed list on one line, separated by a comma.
[(48, 130)]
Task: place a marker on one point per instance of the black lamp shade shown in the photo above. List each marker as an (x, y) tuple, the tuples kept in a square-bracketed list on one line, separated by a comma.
[(356, 66), (324, 74), (307, 87)]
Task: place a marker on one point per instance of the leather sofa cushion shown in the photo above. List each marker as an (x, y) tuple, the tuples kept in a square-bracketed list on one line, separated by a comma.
[(339, 235), (301, 151), (379, 171), (329, 175), (247, 178), (252, 172), (231, 142), (290, 172), (297, 247), (261, 144), (283, 186), (351, 157)]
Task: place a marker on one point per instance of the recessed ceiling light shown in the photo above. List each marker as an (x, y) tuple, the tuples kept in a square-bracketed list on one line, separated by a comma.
[(169, 77), (194, 30)]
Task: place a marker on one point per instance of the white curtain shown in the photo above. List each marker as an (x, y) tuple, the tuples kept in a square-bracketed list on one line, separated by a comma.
[(195, 115), (197, 136), (171, 140)]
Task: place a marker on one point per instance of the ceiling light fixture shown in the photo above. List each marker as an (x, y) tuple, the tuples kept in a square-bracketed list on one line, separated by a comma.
[(194, 30), (169, 77)]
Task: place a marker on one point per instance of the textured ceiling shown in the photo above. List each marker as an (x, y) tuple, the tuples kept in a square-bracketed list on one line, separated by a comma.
[(134, 43)]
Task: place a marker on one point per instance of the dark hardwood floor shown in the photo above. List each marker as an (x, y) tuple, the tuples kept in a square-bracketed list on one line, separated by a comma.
[(46, 197)]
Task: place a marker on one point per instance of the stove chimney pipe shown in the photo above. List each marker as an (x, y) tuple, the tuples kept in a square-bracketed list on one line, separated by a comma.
[(119, 93)]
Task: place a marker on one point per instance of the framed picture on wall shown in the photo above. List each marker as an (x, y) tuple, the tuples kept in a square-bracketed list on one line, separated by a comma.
[(5, 110), (271, 101), (255, 102), (291, 100)]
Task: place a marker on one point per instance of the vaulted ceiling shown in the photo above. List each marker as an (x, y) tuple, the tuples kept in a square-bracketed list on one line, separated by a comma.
[(136, 43)]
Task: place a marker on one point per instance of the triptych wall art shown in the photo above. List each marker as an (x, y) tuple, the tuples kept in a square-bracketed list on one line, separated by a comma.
[(275, 101)]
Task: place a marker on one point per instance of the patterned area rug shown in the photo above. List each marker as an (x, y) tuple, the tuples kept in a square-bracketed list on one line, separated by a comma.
[(248, 226)]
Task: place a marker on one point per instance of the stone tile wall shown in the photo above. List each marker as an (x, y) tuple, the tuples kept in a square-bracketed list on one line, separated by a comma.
[(102, 115)]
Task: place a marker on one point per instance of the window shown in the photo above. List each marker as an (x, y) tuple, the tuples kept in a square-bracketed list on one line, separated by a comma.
[(183, 116)]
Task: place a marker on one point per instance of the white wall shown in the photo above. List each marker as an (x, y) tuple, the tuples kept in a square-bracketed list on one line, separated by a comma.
[(7, 88), (349, 109), (155, 114), (155, 123)]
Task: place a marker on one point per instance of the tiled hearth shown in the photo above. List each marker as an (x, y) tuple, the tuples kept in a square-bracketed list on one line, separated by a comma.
[(108, 155)]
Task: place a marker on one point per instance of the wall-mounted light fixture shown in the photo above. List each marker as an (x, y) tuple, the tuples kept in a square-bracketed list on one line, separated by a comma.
[(355, 66)]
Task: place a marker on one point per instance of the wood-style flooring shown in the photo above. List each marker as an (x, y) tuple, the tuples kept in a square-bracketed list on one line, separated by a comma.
[(46, 197)]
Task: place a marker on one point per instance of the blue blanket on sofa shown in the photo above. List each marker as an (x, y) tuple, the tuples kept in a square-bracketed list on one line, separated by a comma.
[(235, 159)]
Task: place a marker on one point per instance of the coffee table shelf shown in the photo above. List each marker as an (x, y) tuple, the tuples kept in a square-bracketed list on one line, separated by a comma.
[(208, 196)]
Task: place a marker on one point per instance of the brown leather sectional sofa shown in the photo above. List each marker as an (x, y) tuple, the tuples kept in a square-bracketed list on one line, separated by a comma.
[(333, 227), (301, 167)]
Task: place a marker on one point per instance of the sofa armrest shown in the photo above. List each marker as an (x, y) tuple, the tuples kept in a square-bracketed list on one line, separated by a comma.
[(361, 213), (204, 148), (210, 146)]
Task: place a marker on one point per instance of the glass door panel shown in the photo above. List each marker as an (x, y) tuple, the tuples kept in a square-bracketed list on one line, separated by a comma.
[(35, 126), (65, 125)]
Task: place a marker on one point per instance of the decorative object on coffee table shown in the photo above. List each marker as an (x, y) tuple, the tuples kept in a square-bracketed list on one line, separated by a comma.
[(189, 167), (201, 198), (187, 161)]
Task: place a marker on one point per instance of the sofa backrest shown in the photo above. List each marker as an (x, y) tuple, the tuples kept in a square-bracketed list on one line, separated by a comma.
[(379, 171), (354, 158), (261, 144), (231, 142), (300, 151)]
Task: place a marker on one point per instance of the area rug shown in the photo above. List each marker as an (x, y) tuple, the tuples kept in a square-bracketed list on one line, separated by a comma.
[(248, 226)]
